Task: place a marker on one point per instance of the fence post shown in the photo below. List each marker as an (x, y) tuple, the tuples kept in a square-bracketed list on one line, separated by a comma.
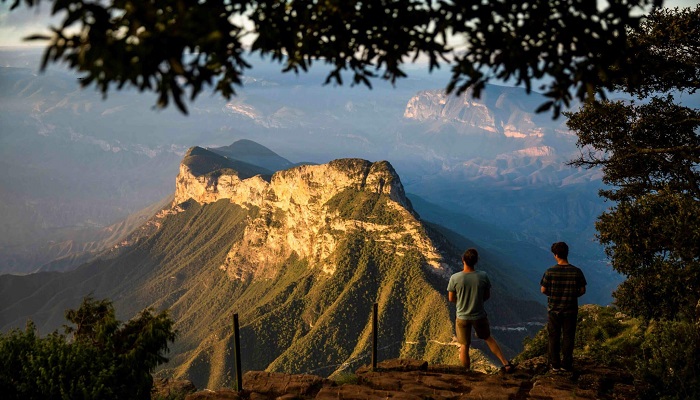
[(237, 353), (374, 337)]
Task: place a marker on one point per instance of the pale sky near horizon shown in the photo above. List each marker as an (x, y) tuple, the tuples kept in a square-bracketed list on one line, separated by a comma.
[(22, 22)]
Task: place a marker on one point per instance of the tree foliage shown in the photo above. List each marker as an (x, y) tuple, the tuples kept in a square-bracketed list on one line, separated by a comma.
[(649, 152), (171, 47), (665, 48), (643, 148), (663, 361), (98, 358)]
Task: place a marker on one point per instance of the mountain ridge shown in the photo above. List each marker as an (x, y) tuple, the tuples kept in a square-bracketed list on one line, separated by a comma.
[(253, 153)]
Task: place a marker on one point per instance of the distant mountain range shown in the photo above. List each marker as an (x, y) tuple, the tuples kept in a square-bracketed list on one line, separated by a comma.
[(300, 254), (75, 165)]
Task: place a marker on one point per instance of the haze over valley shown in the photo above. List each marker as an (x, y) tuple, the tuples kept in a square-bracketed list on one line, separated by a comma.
[(153, 208)]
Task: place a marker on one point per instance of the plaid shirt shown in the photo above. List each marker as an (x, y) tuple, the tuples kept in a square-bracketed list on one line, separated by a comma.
[(563, 284)]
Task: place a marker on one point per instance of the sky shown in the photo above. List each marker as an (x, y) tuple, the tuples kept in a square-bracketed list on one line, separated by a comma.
[(22, 22)]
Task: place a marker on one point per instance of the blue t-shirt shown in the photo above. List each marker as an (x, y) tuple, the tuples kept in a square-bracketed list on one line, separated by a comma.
[(470, 288)]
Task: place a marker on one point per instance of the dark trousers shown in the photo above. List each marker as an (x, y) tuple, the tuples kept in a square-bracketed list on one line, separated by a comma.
[(561, 324)]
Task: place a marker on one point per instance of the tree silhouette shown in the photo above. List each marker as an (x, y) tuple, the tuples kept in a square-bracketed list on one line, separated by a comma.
[(175, 46), (649, 152)]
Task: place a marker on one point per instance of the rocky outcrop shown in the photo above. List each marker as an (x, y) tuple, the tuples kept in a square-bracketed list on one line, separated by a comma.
[(171, 388), (297, 184), (417, 380), (438, 105), (293, 212), (502, 116)]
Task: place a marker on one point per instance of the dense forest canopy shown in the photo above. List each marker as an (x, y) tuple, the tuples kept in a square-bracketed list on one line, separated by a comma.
[(178, 48)]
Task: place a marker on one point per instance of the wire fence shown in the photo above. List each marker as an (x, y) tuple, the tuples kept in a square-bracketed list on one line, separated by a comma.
[(393, 344), (393, 347)]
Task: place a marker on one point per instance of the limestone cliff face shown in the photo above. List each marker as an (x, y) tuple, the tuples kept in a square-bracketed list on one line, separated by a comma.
[(294, 215), (500, 116)]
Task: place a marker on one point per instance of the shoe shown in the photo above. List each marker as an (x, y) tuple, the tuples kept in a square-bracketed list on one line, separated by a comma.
[(556, 369), (508, 368)]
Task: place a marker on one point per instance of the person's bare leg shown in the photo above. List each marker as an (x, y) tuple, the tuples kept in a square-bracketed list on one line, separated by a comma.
[(496, 349), (464, 356)]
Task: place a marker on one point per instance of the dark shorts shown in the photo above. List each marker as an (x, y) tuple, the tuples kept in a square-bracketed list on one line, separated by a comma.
[(464, 330)]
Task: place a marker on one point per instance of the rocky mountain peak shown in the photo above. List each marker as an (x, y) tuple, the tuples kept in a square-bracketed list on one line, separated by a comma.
[(207, 177), (305, 210)]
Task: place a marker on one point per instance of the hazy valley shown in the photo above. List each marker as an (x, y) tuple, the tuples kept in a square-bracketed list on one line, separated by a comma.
[(82, 173)]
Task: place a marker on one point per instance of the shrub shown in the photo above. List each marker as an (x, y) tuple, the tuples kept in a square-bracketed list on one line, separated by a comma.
[(602, 334), (345, 378), (668, 360), (535, 346), (97, 359), (662, 355)]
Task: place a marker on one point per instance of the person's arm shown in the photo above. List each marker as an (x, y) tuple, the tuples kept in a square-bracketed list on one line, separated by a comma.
[(452, 297), (487, 293), (582, 284), (544, 284)]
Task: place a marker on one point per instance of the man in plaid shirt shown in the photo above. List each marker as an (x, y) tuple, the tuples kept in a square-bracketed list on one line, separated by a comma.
[(563, 284)]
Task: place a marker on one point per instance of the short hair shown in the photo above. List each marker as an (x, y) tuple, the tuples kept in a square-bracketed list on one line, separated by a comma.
[(561, 250), (470, 257)]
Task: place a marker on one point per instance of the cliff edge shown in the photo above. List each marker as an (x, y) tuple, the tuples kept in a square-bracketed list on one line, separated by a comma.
[(417, 380)]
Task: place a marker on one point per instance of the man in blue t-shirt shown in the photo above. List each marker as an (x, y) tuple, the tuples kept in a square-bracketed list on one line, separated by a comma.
[(469, 289), (563, 284)]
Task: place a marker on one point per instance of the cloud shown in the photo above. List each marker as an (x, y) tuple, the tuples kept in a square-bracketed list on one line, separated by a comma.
[(680, 3), (21, 22)]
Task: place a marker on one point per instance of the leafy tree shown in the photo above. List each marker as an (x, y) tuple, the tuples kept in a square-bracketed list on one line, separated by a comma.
[(99, 358), (650, 155), (172, 46), (665, 48)]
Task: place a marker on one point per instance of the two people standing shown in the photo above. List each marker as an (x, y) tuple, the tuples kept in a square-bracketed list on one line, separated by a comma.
[(563, 284)]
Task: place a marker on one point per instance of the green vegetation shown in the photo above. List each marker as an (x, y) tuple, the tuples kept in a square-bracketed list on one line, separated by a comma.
[(666, 361), (294, 317), (338, 309), (97, 358), (300, 319), (650, 155), (344, 378), (659, 354), (603, 333), (359, 205)]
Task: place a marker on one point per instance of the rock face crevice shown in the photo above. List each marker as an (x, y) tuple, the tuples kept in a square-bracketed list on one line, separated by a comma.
[(293, 214)]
